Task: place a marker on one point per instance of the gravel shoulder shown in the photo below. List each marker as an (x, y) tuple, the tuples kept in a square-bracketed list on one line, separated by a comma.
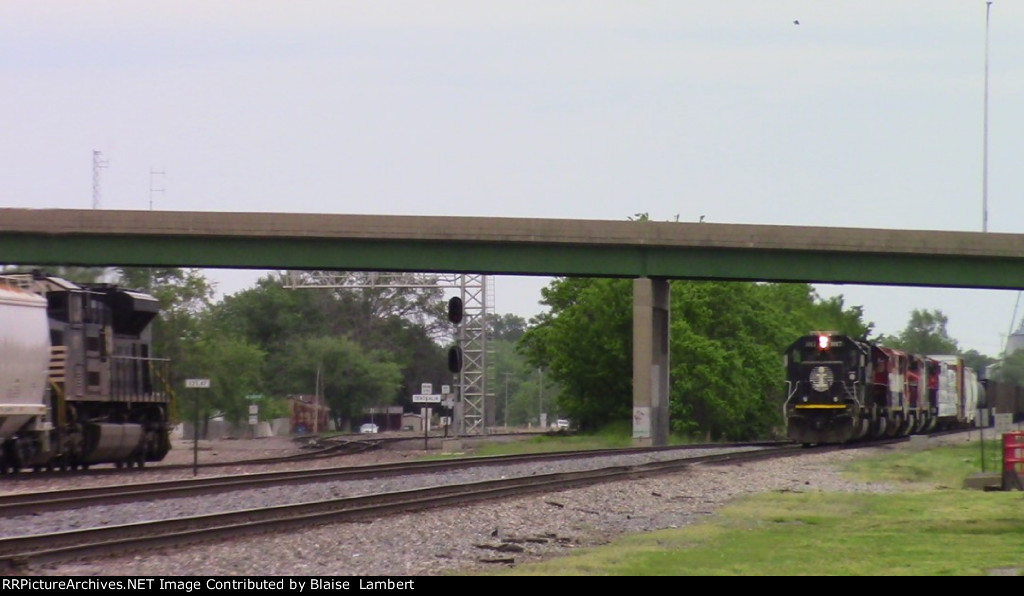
[(464, 539)]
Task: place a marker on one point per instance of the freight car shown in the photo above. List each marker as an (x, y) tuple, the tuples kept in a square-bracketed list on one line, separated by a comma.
[(79, 384), (1004, 398), (841, 389)]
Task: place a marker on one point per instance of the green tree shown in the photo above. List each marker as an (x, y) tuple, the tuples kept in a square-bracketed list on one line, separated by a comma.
[(506, 327), (268, 314), (726, 338), (351, 378), (1011, 369), (925, 333), (234, 368), (515, 385), (978, 361), (585, 345)]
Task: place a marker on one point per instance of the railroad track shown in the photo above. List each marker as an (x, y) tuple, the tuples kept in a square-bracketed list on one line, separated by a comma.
[(55, 500), (20, 554)]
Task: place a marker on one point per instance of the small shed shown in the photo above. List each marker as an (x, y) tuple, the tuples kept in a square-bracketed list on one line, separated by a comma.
[(413, 422), (385, 417)]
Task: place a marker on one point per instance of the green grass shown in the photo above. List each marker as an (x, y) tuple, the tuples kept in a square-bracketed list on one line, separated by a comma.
[(929, 526), (611, 437)]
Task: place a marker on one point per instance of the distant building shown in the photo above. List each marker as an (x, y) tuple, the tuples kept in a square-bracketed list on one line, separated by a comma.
[(309, 414), (1015, 341), (386, 417)]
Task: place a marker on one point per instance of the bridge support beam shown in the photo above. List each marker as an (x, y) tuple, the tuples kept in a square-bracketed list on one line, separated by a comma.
[(650, 361)]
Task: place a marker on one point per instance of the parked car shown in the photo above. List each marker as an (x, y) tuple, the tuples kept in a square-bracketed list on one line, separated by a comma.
[(369, 428), (562, 424)]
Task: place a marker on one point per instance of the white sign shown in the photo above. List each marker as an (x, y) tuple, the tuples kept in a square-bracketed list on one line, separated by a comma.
[(448, 403), (197, 383), (254, 420), (445, 389), (254, 409), (426, 399), (426, 388)]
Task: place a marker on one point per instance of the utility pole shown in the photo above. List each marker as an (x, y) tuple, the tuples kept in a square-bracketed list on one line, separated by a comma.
[(507, 375), (540, 397), (984, 167)]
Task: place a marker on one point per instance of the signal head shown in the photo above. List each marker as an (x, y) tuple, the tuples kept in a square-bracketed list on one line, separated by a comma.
[(455, 310)]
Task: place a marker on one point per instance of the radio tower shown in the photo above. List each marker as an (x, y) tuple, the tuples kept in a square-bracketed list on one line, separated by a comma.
[(153, 186), (97, 163)]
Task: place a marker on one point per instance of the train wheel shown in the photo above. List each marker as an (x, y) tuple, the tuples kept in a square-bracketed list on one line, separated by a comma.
[(877, 428), (906, 425), (892, 425), (910, 425)]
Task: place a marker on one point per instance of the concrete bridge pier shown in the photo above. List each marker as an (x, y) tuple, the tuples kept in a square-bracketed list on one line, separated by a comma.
[(650, 361)]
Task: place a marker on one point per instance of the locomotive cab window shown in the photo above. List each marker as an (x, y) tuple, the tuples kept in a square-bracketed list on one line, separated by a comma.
[(57, 306)]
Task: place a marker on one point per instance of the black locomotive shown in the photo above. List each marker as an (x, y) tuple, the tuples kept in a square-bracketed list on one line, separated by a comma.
[(79, 383), (842, 389)]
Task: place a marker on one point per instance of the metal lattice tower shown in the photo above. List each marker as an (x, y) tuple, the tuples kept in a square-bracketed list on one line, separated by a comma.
[(477, 302), (471, 336)]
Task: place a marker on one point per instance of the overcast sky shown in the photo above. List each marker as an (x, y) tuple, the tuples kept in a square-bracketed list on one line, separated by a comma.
[(865, 114)]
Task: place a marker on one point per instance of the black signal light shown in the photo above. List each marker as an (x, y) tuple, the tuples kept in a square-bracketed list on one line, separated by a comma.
[(455, 359), (455, 310)]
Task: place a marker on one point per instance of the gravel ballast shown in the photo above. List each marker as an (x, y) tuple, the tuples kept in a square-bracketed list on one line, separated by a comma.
[(444, 541)]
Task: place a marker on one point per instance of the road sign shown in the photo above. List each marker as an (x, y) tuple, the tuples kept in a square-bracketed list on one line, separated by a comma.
[(254, 419), (254, 409), (426, 399), (426, 388), (197, 383), (446, 389)]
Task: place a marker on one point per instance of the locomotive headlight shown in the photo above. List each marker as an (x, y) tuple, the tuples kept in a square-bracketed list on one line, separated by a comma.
[(823, 342), (853, 376), (805, 399), (835, 399)]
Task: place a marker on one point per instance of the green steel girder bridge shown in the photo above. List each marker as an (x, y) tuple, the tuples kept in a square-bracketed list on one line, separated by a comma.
[(649, 252)]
